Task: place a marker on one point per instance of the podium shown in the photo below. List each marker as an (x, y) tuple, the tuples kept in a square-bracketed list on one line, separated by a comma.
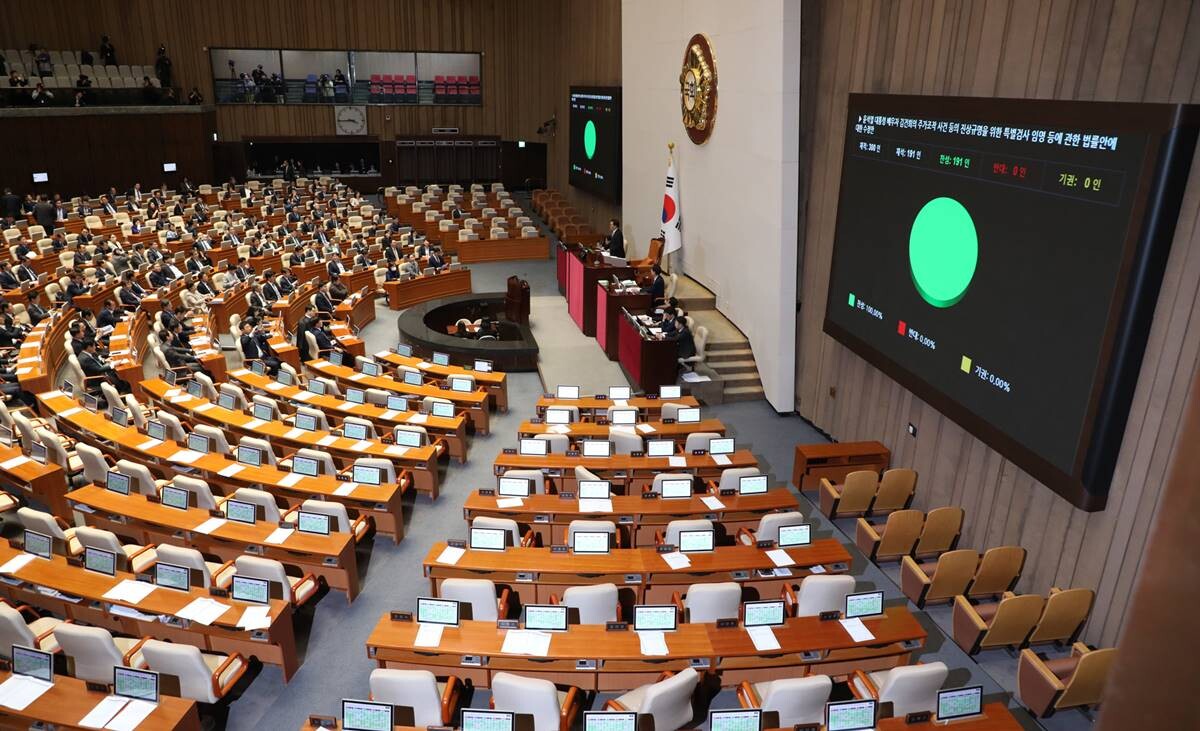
[(584, 269), (609, 303), (516, 301), (649, 362)]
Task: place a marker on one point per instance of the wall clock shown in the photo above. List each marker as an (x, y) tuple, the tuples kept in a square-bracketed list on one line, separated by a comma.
[(350, 120)]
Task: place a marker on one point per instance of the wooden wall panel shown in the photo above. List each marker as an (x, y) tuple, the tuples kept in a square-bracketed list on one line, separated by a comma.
[(1119, 50)]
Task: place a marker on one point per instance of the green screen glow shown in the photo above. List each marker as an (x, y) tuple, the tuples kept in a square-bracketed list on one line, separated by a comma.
[(943, 250)]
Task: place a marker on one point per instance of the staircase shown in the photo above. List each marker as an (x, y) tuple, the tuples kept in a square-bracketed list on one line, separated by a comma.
[(728, 353)]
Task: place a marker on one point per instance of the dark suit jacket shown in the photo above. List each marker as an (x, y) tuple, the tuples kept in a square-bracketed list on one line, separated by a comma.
[(685, 344), (657, 288), (616, 244), (10, 205), (324, 304), (43, 213), (8, 281)]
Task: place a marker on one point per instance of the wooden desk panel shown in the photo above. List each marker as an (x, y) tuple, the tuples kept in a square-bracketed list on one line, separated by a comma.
[(650, 363), (402, 295), (594, 430), (65, 705), (495, 382), (357, 310), (630, 472), (511, 249), (45, 482), (996, 717), (648, 408), (835, 460)]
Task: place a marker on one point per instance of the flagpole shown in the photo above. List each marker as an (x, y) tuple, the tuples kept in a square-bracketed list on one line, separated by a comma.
[(670, 159)]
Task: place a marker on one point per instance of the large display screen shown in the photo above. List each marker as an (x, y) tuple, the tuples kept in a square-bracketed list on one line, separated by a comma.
[(595, 157), (1002, 259)]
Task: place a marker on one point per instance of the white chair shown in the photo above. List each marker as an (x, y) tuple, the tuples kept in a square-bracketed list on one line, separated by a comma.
[(583, 473), (592, 526), (539, 480), (95, 466), (262, 444), (325, 463), (49, 525), (239, 396), (559, 443), (819, 593), (57, 452), (260, 498), (768, 527), (14, 630), (208, 389), (480, 594), (432, 703), (423, 435), (671, 410), (731, 476), (701, 343), (137, 558), (203, 677), (909, 688), (796, 700), (94, 652), (505, 524), (189, 558), (339, 516), (552, 709), (316, 414), (574, 411), (674, 527), (143, 480), (625, 443), (595, 603), (669, 701), (204, 495), (706, 603), (389, 469), (174, 427), (268, 402), (296, 590), (216, 438), (656, 484), (699, 440)]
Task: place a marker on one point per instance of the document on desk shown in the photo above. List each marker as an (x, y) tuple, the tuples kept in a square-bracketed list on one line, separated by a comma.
[(645, 428), (450, 555), (526, 642), (677, 461), (764, 638), (428, 635), (20, 690), (423, 365), (203, 610), (180, 399), (345, 489), (325, 441), (103, 712), (275, 386), (279, 535), (149, 444), (857, 630), (16, 563), (389, 415), (818, 569), (396, 450), (302, 395), (240, 372), (346, 406), (623, 429), (185, 456), (653, 643), (129, 591), (676, 560), (253, 424), (231, 470), (418, 419), (712, 503), (620, 403), (509, 502), (780, 557), (255, 618), (209, 525), (294, 433), (70, 412), (129, 717), (205, 407), (290, 479), (15, 462), (722, 459), (361, 445), (595, 505), (358, 377), (559, 429)]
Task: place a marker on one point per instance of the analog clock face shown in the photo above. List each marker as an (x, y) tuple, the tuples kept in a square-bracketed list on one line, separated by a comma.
[(350, 120)]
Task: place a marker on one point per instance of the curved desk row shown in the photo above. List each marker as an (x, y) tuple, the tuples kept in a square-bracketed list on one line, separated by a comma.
[(404, 294), (645, 429), (622, 470), (495, 382), (648, 408)]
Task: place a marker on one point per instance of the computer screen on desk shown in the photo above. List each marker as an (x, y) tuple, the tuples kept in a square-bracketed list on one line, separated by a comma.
[(337, 358), (596, 448), (488, 539), (316, 386), (172, 576), (263, 412), (546, 617), (307, 422), (594, 489), (307, 466), (740, 720), (768, 613), (406, 438), (620, 393), (483, 366), (198, 443), (609, 721), (174, 497), (100, 561), (720, 445), (248, 455), (689, 415), (412, 378), (403, 349), (32, 663), (676, 488), (140, 685), (397, 403), (591, 541), (534, 447), (441, 359), (623, 417), (443, 409), (660, 448), (366, 475), (798, 534), (227, 401), (251, 589), (240, 511), (669, 392), (571, 392), (515, 486), (651, 617), (366, 716), (156, 430), (356, 396), (752, 485), (462, 385), (960, 703), (117, 482), (558, 416), (437, 611), (315, 523), (285, 377), (865, 604), (371, 368), (354, 430), (477, 720), (850, 716), (697, 541)]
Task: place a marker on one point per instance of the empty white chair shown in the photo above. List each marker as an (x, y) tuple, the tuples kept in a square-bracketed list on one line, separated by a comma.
[(189, 558), (175, 430), (595, 603), (203, 677), (239, 396), (559, 443), (142, 479), (552, 709), (422, 434), (267, 402), (95, 652), (56, 449), (583, 473), (14, 630), (671, 410), (669, 700), (656, 484), (432, 703), (389, 470), (820, 593), (699, 440), (706, 603), (95, 467), (317, 414), (731, 476), (204, 495), (796, 700), (216, 438), (625, 443), (49, 525), (137, 558), (674, 527), (296, 590), (768, 526), (591, 526), (504, 524), (539, 480), (909, 688), (480, 594), (208, 390), (260, 498), (262, 444), (339, 516)]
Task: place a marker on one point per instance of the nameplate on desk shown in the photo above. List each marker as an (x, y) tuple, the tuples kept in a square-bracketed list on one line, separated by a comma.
[(97, 687), (510, 450), (668, 421), (807, 727), (918, 717), (322, 722), (764, 544), (508, 624), (633, 578), (456, 543), (527, 577), (387, 439), (486, 492), (218, 592), (616, 626), (572, 452), (343, 478), (566, 496), (637, 454), (153, 499), (829, 616), (728, 623), (651, 397), (401, 616), (74, 561), (728, 491), (665, 548), (601, 420), (649, 495), (558, 549), (601, 396), (699, 452), (215, 514), (536, 420)]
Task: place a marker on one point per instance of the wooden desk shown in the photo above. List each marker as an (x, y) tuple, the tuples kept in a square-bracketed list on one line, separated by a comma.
[(620, 665), (475, 402), (275, 645), (421, 462), (649, 363), (495, 382), (621, 470), (595, 430), (401, 295), (581, 287), (510, 249), (42, 353), (835, 460), (609, 305), (996, 717), (331, 557), (382, 502), (648, 408), (453, 430), (227, 303), (94, 299), (65, 705), (549, 515), (125, 350), (357, 310), (639, 570), (47, 483)]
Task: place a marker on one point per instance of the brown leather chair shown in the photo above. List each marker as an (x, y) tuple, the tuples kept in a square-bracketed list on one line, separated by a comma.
[(941, 531), (852, 497), (1006, 623), (895, 491), (653, 256), (1064, 616), (896, 539), (998, 571), (1045, 686), (940, 580)]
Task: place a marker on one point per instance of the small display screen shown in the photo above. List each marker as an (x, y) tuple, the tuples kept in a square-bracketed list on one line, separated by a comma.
[(172, 576), (156, 430), (850, 716), (397, 403), (285, 377), (483, 366), (441, 359), (623, 417), (120, 416), (251, 589), (696, 541), (651, 617), (368, 475), (32, 663), (619, 393), (597, 448), (226, 401), (660, 448), (405, 438), (609, 721), (591, 541), (462, 385), (38, 453), (594, 489), (752, 485), (239, 511), (336, 358), (39, 544), (669, 392), (960, 703), (412, 378), (252, 456), (546, 617), (100, 561), (307, 422), (174, 497), (741, 720), (866, 604), (443, 409), (723, 445), (263, 412), (195, 389), (690, 415), (317, 523), (534, 447), (117, 482), (356, 395), (515, 486), (763, 614), (198, 443), (488, 539), (799, 534), (437, 611), (680, 488), (258, 368), (354, 430), (473, 720), (403, 349), (558, 416), (366, 716), (307, 466), (141, 685), (567, 392), (316, 386)]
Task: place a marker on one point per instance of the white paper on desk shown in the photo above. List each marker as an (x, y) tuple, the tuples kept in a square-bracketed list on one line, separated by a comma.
[(712, 503), (209, 525), (346, 406), (653, 643), (559, 429), (428, 635), (383, 354), (345, 489), (232, 469), (15, 462), (69, 412), (645, 428), (620, 403), (253, 424), (389, 415), (103, 712), (818, 569), (185, 456), (326, 440), (20, 690), (294, 433), (203, 610), (274, 386), (129, 591), (149, 444), (418, 418), (423, 365), (358, 376), (722, 459), (450, 555), (255, 618), (396, 450), (361, 445), (677, 461), (780, 557), (595, 505), (857, 630), (131, 715), (180, 399), (240, 372), (16, 563), (320, 363), (623, 429), (22, 371), (509, 502), (303, 395), (49, 394), (289, 479), (279, 535), (676, 560), (763, 638), (526, 642), (205, 407)]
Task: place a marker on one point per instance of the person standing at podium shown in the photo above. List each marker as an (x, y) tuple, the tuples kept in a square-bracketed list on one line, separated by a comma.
[(615, 242)]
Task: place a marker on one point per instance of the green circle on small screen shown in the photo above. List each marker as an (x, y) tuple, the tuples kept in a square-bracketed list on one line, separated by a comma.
[(943, 249), (589, 139)]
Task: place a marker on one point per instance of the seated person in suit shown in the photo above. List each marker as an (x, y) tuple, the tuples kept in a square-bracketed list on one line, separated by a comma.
[(657, 287), (337, 290), (93, 365), (436, 260), (685, 344), (285, 282), (108, 316), (76, 286), (308, 321), (7, 279), (159, 277), (325, 338), (410, 265), (324, 301), (34, 309), (669, 321), (179, 358), (255, 346)]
